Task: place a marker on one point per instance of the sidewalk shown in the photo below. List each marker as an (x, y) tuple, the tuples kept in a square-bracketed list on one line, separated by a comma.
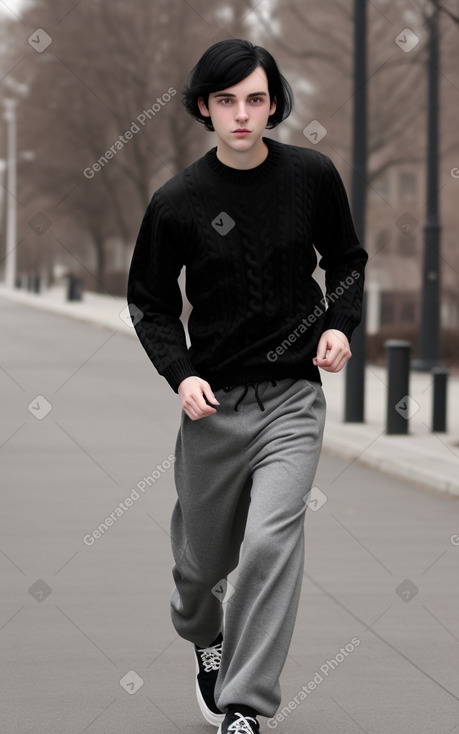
[(95, 308), (87, 645), (422, 457)]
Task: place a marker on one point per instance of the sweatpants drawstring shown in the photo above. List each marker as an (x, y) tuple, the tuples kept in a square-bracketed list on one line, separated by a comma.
[(246, 389)]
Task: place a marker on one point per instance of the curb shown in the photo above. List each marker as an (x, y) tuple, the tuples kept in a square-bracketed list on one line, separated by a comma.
[(74, 310), (396, 468), (434, 481)]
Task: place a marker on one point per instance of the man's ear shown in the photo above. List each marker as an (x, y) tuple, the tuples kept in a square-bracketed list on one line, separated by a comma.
[(203, 109), (273, 107)]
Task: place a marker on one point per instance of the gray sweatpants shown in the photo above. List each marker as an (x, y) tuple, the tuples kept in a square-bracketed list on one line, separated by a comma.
[(243, 475)]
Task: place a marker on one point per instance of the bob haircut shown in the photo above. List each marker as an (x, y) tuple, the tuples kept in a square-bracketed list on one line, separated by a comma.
[(227, 63)]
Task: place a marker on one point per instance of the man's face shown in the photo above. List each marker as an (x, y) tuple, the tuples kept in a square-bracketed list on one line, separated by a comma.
[(240, 113)]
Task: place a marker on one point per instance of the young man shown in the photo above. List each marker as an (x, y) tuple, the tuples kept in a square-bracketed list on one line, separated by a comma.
[(243, 220)]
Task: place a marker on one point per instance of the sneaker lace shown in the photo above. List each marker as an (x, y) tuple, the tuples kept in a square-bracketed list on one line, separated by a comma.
[(211, 657), (241, 725)]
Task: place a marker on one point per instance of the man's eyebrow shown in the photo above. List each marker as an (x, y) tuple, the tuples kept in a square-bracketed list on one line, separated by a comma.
[(228, 94)]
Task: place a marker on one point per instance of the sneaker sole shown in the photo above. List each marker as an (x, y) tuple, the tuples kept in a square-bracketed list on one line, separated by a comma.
[(210, 716)]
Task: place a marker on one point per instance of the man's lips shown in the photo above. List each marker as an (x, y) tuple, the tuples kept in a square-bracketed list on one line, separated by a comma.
[(241, 132)]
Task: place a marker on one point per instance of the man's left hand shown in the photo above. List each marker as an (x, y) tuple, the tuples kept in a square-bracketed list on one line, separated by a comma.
[(332, 351)]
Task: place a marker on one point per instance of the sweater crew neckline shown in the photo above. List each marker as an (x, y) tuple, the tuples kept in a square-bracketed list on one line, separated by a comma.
[(246, 175)]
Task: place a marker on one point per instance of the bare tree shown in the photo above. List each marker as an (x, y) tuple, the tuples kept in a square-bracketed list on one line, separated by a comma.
[(104, 115), (106, 129)]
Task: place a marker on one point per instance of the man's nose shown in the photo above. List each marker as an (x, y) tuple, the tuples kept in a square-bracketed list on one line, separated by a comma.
[(242, 112)]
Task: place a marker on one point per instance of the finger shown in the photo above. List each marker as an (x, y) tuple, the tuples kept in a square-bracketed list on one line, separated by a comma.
[(199, 407), (321, 358), (204, 389), (208, 410), (331, 359), (202, 398), (195, 413), (190, 410), (337, 364), (322, 348), (190, 407), (335, 358), (210, 397), (198, 417)]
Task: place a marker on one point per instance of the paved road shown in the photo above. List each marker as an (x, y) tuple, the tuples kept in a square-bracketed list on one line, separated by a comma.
[(85, 422)]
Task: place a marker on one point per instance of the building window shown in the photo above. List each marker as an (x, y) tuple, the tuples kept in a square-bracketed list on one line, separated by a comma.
[(406, 244), (407, 186), (381, 185), (382, 240), (408, 311), (399, 308), (387, 309)]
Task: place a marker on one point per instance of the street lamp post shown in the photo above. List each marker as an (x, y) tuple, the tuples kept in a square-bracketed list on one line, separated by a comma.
[(354, 409), (429, 334), (11, 209)]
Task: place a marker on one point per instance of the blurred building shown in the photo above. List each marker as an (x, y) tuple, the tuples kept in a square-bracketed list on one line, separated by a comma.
[(395, 241)]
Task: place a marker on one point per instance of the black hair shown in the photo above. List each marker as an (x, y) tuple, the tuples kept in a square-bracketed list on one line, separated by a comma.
[(227, 63)]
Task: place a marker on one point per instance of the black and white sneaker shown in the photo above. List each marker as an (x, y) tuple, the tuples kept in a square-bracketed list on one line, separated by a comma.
[(236, 723), (208, 661)]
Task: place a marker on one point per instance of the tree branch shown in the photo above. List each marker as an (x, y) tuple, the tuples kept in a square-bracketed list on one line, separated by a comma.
[(437, 4)]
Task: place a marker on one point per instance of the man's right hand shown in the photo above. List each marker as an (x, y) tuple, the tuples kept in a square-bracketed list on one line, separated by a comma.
[(192, 391)]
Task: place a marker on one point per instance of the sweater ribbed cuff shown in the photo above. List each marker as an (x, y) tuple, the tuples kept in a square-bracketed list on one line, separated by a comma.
[(340, 322), (178, 371)]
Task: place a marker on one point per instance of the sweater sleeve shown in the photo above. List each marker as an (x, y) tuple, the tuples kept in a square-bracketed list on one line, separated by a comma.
[(342, 257), (154, 296)]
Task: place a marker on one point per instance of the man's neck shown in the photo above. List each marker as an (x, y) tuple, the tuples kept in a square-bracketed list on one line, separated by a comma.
[(242, 160)]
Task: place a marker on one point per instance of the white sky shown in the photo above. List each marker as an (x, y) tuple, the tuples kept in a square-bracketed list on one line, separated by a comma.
[(11, 7)]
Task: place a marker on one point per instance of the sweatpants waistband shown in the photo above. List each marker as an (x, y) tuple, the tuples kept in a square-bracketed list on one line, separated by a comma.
[(246, 386)]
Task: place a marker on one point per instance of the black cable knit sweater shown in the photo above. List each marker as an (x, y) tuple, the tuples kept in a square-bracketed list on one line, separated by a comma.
[(246, 240)]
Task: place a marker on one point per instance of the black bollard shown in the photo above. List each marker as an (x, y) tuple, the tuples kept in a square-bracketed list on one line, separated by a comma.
[(75, 288), (439, 402), (399, 403)]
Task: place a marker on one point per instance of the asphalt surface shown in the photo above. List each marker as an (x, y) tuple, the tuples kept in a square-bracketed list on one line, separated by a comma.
[(86, 642)]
